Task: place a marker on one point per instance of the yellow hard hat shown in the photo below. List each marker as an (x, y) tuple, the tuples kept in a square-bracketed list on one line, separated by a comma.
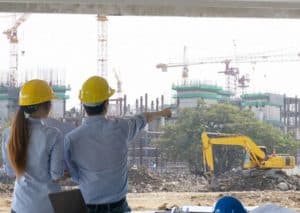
[(34, 92), (95, 90)]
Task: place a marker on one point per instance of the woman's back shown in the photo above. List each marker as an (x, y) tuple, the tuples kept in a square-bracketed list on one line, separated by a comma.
[(44, 164), (35, 151)]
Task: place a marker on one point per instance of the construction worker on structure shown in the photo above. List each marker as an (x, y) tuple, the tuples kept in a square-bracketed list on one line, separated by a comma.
[(35, 150), (96, 151)]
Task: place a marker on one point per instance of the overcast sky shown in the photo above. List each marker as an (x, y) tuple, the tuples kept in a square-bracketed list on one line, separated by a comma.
[(68, 43)]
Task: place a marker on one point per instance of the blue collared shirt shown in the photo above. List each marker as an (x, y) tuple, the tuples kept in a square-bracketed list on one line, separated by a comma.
[(61, 126), (96, 154), (44, 164)]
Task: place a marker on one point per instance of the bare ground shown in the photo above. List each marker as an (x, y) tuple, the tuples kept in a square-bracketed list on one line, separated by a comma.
[(162, 200), (150, 191)]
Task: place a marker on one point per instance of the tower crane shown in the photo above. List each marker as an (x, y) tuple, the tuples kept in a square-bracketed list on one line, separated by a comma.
[(102, 46), (12, 36), (242, 80), (119, 83)]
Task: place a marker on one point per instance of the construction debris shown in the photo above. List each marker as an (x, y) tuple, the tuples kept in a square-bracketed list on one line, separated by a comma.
[(142, 180), (252, 180), (6, 184)]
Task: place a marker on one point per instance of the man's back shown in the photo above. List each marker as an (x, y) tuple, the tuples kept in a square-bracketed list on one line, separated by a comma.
[(97, 157)]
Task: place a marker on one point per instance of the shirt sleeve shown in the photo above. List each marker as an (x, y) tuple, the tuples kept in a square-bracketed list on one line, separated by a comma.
[(7, 167), (69, 161), (135, 124), (57, 158)]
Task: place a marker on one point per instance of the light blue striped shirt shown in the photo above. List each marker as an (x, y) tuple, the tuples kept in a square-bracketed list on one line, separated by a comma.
[(96, 154), (44, 165), (61, 126)]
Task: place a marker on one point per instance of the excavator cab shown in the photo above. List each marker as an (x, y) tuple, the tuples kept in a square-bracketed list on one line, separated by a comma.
[(264, 149), (274, 161), (248, 164)]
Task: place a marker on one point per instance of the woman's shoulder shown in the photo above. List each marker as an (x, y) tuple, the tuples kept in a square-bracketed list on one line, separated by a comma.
[(52, 131)]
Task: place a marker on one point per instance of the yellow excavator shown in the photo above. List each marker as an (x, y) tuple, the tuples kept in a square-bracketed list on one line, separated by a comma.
[(256, 156)]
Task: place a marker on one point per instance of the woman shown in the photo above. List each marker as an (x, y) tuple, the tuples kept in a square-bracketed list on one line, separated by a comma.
[(35, 150)]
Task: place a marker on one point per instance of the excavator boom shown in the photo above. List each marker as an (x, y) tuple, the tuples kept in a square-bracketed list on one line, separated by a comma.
[(258, 158)]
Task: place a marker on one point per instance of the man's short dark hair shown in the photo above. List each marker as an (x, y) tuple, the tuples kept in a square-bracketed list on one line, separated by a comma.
[(95, 110)]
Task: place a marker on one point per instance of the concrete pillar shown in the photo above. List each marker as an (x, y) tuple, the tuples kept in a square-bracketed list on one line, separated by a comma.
[(125, 105), (121, 106), (141, 150), (137, 105), (296, 112), (141, 104), (152, 106), (146, 102)]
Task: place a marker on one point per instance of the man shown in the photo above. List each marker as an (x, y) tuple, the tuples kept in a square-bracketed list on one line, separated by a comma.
[(96, 152)]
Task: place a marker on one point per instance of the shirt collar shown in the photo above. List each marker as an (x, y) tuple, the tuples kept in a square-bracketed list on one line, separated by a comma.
[(94, 118), (35, 120)]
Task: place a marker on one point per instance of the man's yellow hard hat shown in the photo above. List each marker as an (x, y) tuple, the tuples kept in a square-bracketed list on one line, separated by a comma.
[(95, 90), (34, 92)]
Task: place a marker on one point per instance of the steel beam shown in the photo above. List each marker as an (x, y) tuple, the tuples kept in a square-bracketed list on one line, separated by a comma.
[(196, 8)]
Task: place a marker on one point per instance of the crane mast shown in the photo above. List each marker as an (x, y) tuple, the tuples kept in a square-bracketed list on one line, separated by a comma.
[(102, 46), (12, 36), (119, 83)]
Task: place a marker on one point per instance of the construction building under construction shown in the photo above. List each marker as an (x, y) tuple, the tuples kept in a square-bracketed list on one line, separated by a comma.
[(9, 102), (266, 106), (272, 108), (189, 94)]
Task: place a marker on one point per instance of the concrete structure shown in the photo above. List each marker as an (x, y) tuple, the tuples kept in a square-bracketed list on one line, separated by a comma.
[(203, 8), (290, 115), (266, 106), (9, 102), (59, 105), (189, 94)]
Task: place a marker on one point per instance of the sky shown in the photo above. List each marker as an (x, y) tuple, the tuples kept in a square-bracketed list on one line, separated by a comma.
[(136, 45)]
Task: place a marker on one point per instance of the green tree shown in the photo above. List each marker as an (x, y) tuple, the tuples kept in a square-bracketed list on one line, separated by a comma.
[(181, 140)]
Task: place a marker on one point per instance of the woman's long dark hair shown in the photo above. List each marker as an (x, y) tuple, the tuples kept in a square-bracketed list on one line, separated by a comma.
[(19, 137)]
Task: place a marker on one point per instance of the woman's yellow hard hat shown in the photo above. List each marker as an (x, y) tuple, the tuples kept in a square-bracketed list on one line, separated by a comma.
[(95, 90), (34, 92)]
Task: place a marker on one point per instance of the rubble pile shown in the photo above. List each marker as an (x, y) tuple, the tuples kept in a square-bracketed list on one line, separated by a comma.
[(142, 180), (184, 182), (6, 184), (253, 180), (4, 179)]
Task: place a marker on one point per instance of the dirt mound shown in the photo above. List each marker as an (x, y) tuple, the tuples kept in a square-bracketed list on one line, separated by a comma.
[(143, 180), (6, 188), (6, 184), (252, 180)]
